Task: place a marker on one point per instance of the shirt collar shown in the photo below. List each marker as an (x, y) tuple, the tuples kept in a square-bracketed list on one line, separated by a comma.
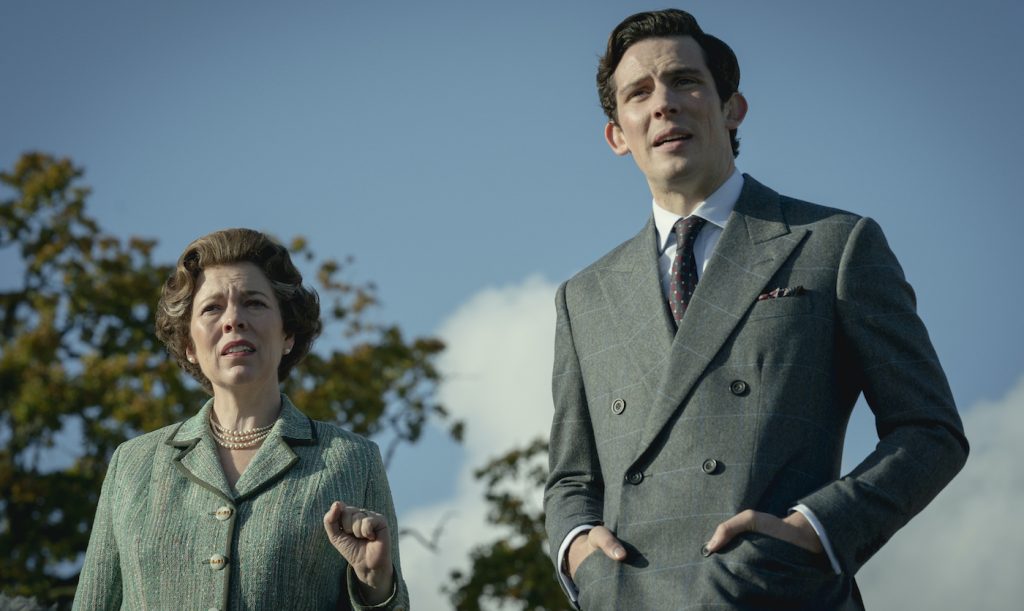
[(715, 209)]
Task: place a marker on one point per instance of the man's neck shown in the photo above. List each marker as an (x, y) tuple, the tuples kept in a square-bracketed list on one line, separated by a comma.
[(683, 198)]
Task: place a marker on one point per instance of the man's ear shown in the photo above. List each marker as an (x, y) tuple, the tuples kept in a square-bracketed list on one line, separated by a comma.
[(617, 142), (735, 110), (190, 353)]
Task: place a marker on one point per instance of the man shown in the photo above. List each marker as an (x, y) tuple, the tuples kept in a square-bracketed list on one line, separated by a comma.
[(706, 368)]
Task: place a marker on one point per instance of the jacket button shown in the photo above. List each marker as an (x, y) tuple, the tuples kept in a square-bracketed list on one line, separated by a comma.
[(710, 466), (738, 387), (218, 562), (618, 406), (634, 477), (223, 513)]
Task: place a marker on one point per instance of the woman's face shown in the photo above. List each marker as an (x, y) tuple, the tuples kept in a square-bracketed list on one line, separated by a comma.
[(237, 335)]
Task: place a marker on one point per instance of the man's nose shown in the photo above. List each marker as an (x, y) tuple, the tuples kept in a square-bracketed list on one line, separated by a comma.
[(666, 102)]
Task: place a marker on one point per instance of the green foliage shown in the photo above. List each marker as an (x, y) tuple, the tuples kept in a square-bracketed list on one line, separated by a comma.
[(515, 569), (78, 352)]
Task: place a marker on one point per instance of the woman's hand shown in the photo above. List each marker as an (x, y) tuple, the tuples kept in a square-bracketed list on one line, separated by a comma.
[(362, 538)]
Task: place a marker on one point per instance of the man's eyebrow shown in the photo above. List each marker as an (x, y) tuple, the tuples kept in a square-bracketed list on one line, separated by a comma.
[(684, 71), (670, 72)]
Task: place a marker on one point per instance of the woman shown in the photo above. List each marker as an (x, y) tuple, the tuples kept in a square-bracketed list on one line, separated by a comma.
[(226, 510)]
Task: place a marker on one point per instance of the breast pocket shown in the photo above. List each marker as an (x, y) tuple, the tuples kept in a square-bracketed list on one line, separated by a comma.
[(777, 307)]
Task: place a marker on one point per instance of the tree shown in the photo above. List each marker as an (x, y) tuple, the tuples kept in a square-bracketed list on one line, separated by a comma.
[(78, 355), (515, 569)]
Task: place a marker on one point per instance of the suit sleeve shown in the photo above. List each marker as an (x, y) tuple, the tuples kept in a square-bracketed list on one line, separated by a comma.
[(99, 583), (574, 493), (883, 343), (378, 498)]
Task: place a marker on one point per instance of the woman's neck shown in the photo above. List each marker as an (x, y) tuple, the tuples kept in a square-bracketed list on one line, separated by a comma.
[(237, 410)]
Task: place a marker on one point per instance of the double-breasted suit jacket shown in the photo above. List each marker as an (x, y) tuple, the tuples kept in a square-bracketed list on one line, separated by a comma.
[(170, 533), (661, 435)]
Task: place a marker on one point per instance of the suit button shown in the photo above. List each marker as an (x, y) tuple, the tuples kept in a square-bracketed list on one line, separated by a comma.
[(218, 562), (710, 466), (704, 551), (223, 513), (618, 406), (738, 387), (634, 477)]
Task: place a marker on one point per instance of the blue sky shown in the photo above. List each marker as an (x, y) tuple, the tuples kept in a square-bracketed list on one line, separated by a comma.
[(455, 148)]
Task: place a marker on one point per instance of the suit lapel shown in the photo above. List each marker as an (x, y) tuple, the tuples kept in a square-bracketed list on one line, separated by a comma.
[(632, 285), (200, 463), (756, 242)]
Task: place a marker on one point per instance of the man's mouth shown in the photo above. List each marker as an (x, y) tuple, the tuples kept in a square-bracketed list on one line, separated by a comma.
[(672, 136)]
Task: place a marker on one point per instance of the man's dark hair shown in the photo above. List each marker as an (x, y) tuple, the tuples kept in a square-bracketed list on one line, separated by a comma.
[(720, 59)]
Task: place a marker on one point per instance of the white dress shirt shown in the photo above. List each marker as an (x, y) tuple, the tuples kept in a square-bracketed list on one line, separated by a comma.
[(716, 210)]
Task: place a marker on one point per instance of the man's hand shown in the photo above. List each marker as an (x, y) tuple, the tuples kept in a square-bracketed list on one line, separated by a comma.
[(586, 543), (794, 529)]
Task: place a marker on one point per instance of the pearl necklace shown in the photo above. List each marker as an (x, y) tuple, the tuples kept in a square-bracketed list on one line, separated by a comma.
[(239, 440)]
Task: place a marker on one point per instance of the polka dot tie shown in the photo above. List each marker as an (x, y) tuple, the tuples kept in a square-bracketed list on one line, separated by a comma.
[(684, 266)]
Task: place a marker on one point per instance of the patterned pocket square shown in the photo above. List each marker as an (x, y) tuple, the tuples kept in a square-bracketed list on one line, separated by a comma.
[(795, 291)]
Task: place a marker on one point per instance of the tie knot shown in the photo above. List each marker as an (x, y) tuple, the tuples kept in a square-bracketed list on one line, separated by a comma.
[(687, 229)]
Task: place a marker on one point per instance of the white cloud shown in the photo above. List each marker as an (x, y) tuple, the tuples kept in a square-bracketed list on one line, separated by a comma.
[(497, 369), (966, 549)]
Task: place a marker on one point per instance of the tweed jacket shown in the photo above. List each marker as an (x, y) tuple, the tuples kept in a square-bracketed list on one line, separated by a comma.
[(660, 435), (170, 533)]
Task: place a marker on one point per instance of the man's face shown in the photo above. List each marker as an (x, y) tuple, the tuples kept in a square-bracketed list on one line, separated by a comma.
[(670, 118)]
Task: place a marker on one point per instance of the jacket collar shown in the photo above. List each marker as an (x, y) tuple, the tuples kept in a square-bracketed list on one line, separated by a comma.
[(199, 460)]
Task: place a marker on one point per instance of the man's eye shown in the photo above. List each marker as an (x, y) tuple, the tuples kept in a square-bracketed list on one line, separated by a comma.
[(210, 307), (255, 303)]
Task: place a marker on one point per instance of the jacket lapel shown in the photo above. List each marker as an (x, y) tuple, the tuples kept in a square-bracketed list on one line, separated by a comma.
[(632, 285), (756, 242), (199, 462), (275, 457)]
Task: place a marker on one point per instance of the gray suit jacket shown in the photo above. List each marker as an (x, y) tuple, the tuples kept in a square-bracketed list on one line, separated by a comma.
[(170, 533), (662, 435)]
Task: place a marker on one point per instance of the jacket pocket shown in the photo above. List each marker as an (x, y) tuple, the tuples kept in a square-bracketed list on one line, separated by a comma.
[(758, 571), (589, 574), (794, 305)]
